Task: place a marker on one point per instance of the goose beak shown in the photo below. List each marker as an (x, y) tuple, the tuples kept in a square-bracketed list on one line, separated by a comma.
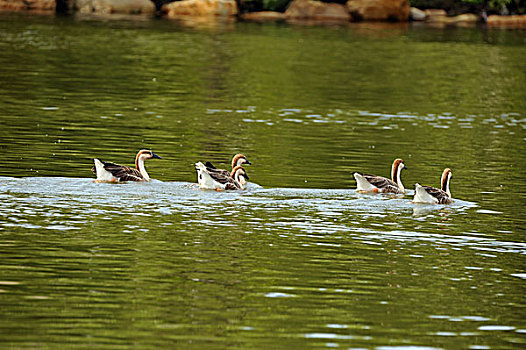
[(404, 167), (246, 176), (156, 156), (248, 162)]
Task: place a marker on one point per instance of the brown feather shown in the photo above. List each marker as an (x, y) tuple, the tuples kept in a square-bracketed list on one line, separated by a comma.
[(227, 180), (441, 196), (122, 172), (211, 168), (394, 168), (385, 185), (236, 158), (444, 179)]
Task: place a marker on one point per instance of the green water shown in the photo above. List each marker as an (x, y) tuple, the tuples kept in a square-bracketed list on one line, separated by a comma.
[(299, 260)]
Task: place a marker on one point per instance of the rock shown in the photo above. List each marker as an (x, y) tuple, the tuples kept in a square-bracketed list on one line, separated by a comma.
[(316, 10), (263, 16), (464, 18), (12, 5), (436, 15), (518, 21), (114, 6), (379, 10), (223, 8), (28, 5), (417, 14), (435, 12), (439, 18)]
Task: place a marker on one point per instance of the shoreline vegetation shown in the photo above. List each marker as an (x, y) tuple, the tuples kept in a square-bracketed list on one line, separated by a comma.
[(493, 13)]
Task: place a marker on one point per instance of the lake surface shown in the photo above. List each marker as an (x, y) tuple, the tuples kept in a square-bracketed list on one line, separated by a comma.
[(299, 260)]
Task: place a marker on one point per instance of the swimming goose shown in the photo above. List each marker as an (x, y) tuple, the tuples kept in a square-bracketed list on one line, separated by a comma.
[(237, 160), (106, 171), (372, 183), (212, 180), (428, 194)]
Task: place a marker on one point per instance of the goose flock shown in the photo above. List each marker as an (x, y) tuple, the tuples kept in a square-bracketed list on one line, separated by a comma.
[(211, 178)]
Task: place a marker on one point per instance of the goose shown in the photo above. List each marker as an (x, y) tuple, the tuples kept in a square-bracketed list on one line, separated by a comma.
[(106, 171), (238, 159), (212, 180), (373, 183), (428, 194)]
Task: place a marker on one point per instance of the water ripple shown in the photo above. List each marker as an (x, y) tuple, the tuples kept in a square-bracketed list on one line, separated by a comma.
[(65, 204)]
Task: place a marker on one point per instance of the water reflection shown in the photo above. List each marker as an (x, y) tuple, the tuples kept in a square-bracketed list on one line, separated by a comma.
[(426, 210), (299, 260), (357, 257), (64, 204)]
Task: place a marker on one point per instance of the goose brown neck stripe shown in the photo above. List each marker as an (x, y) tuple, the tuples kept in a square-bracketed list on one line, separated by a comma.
[(395, 170), (139, 154), (235, 170), (445, 179), (236, 159)]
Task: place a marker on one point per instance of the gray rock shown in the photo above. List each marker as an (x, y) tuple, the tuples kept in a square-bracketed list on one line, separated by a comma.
[(417, 14), (114, 6)]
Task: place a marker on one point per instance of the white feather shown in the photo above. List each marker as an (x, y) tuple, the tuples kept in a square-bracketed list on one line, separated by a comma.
[(103, 174), (204, 179), (421, 196), (362, 184)]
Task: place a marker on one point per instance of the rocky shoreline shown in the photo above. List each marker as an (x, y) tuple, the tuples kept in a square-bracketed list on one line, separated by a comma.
[(308, 11)]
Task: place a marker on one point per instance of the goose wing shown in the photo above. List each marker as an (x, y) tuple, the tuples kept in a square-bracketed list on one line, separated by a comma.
[(212, 169), (122, 172), (441, 196), (383, 183), (219, 176), (224, 179), (232, 185), (209, 165)]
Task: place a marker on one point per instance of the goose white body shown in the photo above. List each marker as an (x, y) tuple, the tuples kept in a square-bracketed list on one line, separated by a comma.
[(212, 179), (432, 195), (422, 196), (111, 172), (205, 181), (102, 174), (237, 160), (362, 185), (373, 183)]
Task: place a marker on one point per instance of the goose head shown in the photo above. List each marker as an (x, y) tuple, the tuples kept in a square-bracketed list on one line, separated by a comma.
[(144, 154), (139, 161), (147, 154), (398, 165), (396, 170), (239, 159), (445, 180), (239, 174)]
